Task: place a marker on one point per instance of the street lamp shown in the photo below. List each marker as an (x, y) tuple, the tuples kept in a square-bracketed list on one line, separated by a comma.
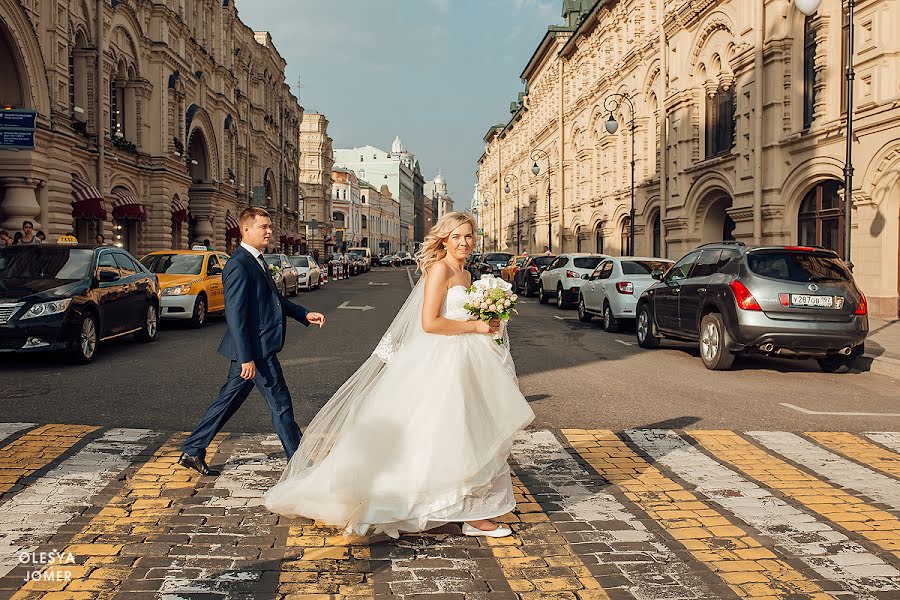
[(537, 154), (809, 8), (506, 189), (612, 103), (488, 199)]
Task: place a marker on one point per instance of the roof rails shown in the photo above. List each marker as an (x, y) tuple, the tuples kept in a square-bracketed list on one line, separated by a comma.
[(723, 243)]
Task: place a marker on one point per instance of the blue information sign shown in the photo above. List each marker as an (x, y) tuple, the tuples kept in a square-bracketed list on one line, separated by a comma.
[(17, 138), (18, 118)]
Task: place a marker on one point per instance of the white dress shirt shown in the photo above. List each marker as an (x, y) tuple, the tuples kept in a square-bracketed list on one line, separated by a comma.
[(256, 254)]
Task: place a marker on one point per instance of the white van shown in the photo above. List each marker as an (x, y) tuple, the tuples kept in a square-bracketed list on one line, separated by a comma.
[(365, 253)]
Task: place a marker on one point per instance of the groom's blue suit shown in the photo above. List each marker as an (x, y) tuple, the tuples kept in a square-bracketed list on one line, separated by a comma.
[(256, 314)]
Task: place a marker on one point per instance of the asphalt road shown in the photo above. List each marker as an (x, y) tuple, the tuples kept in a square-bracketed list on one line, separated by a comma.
[(574, 374)]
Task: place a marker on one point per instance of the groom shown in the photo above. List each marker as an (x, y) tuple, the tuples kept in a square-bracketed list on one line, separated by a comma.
[(256, 315)]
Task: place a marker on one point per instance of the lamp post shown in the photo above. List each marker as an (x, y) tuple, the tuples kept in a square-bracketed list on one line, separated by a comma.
[(506, 189), (809, 8), (537, 154), (488, 199), (612, 103)]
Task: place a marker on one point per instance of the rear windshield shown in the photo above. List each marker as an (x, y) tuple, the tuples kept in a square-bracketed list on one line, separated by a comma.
[(643, 267), (543, 261), (44, 261), (587, 262), (497, 257), (299, 261), (803, 267), (361, 253)]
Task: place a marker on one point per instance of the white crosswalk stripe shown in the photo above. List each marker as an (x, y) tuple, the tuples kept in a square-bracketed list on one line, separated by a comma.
[(838, 470), (888, 439), (830, 553), (540, 455), (35, 514), (7, 429)]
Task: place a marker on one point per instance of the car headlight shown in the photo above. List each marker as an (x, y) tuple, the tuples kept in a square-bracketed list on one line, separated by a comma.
[(46, 309), (177, 290)]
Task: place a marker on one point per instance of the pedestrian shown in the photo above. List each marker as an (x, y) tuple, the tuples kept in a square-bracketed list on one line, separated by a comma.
[(5, 240), (316, 255), (546, 250), (17, 239), (208, 244), (41, 236), (100, 240), (28, 236)]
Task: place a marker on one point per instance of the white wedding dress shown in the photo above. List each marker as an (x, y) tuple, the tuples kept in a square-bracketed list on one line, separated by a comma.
[(419, 436)]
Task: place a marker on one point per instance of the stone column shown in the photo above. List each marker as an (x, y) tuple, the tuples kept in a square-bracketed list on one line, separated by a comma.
[(20, 202)]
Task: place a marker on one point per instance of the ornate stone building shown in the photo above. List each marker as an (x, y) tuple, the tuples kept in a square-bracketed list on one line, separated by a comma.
[(157, 121), (380, 214), (316, 164), (739, 133)]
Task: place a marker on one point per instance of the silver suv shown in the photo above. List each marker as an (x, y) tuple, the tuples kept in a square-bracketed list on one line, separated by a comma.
[(788, 301)]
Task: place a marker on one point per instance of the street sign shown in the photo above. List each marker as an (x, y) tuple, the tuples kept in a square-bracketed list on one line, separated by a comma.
[(24, 119), (313, 224), (17, 138), (17, 129)]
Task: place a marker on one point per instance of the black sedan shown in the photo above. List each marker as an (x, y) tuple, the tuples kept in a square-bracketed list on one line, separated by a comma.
[(528, 276), (71, 297)]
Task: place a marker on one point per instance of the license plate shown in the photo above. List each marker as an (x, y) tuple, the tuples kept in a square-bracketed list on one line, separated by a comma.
[(815, 301)]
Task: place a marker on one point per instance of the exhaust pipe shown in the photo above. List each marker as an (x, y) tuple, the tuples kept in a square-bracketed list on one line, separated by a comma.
[(846, 351), (767, 347)]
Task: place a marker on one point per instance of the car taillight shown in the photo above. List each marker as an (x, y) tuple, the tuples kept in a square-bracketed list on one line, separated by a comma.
[(785, 299), (625, 287), (534, 269), (800, 248), (863, 307), (573, 274), (745, 299)]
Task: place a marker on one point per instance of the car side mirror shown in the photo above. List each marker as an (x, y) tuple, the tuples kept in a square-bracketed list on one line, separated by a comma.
[(214, 271), (108, 277), (586, 276), (657, 274)]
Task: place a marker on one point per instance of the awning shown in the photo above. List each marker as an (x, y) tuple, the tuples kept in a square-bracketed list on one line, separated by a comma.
[(126, 206), (283, 239), (291, 241), (87, 201), (179, 211), (232, 227)]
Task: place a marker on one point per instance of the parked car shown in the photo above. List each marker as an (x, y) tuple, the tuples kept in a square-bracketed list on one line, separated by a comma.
[(385, 260), (491, 263), (365, 254), (308, 271), (527, 277), (72, 297), (612, 290), (286, 277), (508, 272), (472, 266), (562, 278), (730, 298), (191, 283), (406, 258)]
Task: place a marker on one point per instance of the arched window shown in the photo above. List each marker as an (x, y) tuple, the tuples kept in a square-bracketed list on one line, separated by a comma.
[(720, 122), (599, 239), (809, 72), (78, 67), (364, 222), (822, 217), (657, 236), (625, 237)]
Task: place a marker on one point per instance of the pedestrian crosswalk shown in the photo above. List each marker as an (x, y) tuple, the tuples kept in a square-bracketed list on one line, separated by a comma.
[(94, 512)]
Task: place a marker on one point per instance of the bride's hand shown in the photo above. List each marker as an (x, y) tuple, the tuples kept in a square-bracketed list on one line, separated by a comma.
[(488, 328)]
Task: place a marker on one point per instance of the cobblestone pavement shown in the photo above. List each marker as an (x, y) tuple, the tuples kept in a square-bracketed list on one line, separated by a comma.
[(91, 512)]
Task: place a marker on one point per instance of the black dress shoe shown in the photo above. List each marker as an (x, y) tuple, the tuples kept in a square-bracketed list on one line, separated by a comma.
[(196, 463)]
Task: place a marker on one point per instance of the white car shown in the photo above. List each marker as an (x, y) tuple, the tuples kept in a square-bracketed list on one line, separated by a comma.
[(562, 278), (309, 274), (614, 287)]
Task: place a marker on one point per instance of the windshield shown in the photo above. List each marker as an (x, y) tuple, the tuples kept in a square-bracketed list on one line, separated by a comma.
[(521, 261), (299, 261), (588, 262), (361, 253), (802, 267), (643, 267), (173, 264), (45, 262), (273, 259), (543, 261), (497, 257)]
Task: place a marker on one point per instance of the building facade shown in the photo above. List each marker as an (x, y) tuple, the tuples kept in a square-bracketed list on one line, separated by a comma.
[(157, 122), (738, 133), (345, 208), (438, 197), (316, 164), (380, 219)]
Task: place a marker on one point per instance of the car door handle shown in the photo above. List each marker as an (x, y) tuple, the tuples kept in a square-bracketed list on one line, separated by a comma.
[(701, 290)]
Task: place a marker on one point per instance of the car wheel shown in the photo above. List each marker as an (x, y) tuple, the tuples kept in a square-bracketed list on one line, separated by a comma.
[(84, 347), (151, 325), (583, 315), (713, 343), (644, 329), (199, 318), (529, 290), (835, 363), (610, 322), (560, 298), (542, 297)]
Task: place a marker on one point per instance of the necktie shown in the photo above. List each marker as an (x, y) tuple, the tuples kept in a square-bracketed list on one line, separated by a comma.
[(262, 261)]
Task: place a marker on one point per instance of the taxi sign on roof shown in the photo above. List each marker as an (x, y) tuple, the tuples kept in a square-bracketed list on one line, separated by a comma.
[(201, 248), (67, 239)]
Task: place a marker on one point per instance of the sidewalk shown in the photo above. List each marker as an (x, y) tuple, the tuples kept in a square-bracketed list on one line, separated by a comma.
[(882, 348)]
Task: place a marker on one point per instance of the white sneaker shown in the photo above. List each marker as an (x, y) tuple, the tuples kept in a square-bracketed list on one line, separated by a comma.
[(499, 532)]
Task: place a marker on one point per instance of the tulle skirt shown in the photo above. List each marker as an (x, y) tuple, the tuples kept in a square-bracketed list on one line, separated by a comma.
[(427, 445)]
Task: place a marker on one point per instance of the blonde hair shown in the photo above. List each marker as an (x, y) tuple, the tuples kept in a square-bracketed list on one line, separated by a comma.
[(433, 248)]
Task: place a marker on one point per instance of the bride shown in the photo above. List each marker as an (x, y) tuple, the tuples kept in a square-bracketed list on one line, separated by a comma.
[(419, 436)]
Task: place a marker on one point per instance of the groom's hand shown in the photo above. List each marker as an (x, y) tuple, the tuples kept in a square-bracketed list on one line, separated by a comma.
[(315, 318), (248, 370)]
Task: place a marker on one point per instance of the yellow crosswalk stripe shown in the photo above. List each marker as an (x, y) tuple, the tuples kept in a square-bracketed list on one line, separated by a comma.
[(821, 497), (709, 535), (102, 560), (37, 449), (860, 450)]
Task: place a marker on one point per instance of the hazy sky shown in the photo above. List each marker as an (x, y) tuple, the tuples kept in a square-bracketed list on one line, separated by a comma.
[(437, 73)]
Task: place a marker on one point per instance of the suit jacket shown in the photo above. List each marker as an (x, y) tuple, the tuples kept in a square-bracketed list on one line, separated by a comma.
[(255, 311)]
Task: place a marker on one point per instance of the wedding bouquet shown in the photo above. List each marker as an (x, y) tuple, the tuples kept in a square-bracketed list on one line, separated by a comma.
[(491, 298)]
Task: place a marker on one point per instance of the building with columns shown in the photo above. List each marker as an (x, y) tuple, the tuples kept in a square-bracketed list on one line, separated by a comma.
[(738, 120), (157, 122), (316, 164), (345, 208)]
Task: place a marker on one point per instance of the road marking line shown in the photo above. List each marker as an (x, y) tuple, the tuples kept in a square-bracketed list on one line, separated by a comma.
[(378, 284), (37, 449), (717, 542), (608, 531), (828, 552), (624, 343), (839, 470), (830, 502), (7, 429), (838, 413), (313, 549), (859, 450), (412, 283), (34, 515), (891, 439), (346, 306)]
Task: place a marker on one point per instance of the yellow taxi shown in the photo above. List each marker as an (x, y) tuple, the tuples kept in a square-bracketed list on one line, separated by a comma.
[(508, 273), (191, 283)]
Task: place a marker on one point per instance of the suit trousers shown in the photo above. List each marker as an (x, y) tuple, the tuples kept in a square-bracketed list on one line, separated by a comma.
[(269, 381)]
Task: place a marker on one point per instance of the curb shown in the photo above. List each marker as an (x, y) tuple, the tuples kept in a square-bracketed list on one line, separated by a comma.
[(881, 365)]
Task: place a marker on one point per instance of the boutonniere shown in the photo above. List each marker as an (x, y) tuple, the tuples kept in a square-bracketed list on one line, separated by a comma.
[(274, 271)]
